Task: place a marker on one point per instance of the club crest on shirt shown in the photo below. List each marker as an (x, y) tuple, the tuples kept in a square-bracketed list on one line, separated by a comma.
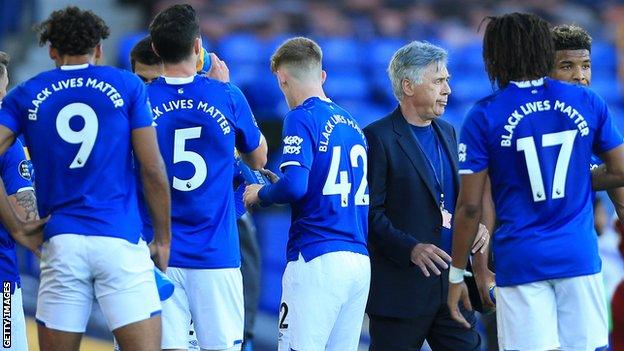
[(24, 169)]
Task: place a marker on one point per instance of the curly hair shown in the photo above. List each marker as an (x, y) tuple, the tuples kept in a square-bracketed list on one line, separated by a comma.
[(517, 46), (568, 37), (72, 31), (4, 63), (174, 31)]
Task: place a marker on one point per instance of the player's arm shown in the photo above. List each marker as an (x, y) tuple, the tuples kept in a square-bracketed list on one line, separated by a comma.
[(25, 204), (611, 173), (155, 190), (28, 234), (249, 140), (257, 158)]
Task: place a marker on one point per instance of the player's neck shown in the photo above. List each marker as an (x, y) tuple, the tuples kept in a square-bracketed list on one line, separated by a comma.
[(412, 117), (70, 60), (302, 94), (180, 70)]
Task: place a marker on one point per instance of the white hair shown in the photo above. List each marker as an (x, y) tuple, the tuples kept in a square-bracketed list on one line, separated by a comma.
[(410, 61)]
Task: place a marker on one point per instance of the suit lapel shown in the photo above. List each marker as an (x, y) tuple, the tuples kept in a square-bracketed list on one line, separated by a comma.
[(413, 152), (451, 151)]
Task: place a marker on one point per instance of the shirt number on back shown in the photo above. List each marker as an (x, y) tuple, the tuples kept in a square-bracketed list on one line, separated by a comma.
[(85, 136), (343, 187), (180, 154), (527, 145)]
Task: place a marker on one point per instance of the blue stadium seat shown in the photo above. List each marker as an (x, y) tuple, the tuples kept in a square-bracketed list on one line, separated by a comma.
[(467, 58), (265, 97), (241, 48), (469, 87), (346, 85), (379, 52), (125, 47), (603, 55), (608, 89), (364, 112), (341, 53)]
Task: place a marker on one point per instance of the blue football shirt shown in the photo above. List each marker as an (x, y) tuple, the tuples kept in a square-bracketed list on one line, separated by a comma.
[(333, 214), (536, 139), (15, 172), (199, 122), (77, 122)]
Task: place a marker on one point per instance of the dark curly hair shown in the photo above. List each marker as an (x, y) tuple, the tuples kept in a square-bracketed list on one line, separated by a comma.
[(568, 37), (174, 31), (517, 46), (142, 53), (72, 31)]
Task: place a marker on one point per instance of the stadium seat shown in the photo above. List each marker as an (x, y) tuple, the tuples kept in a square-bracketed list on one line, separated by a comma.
[(365, 113), (379, 52), (339, 53), (603, 55), (125, 47), (241, 48), (346, 85)]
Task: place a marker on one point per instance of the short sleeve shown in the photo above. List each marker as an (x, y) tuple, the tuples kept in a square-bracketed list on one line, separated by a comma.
[(16, 169), (472, 149), (139, 109), (607, 135), (10, 115), (247, 132), (297, 141)]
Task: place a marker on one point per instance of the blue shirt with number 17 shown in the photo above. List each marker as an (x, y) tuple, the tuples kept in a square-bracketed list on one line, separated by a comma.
[(536, 139)]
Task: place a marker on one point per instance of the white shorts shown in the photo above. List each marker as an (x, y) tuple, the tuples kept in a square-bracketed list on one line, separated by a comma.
[(323, 302), (15, 339), (75, 269), (213, 299), (568, 314)]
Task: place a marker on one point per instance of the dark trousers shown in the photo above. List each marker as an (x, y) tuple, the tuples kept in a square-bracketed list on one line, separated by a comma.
[(250, 269), (440, 330)]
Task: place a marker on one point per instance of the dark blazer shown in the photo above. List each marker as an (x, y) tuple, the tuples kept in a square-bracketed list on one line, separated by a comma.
[(404, 211)]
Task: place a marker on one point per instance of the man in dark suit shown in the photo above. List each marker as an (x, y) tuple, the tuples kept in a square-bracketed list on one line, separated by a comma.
[(413, 186)]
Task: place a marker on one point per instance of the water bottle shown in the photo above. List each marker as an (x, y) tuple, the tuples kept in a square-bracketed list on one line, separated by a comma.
[(252, 176), (204, 63), (163, 284)]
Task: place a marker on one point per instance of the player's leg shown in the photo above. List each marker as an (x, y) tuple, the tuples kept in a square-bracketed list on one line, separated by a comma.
[(147, 331), (311, 302), (250, 268), (217, 307), (176, 313), (65, 292), (582, 312), (527, 317), (18, 340), (125, 288), (354, 269)]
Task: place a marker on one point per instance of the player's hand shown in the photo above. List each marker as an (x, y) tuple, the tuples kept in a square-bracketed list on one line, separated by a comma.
[(484, 281), (456, 293), (482, 239), (429, 257), (30, 234), (250, 196), (159, 252), (272, 176), (218, 69)]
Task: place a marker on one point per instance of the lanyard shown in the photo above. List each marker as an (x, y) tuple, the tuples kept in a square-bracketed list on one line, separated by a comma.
[(440, 180)]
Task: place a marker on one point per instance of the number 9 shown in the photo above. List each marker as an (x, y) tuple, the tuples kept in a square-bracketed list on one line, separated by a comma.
[(86, 136)]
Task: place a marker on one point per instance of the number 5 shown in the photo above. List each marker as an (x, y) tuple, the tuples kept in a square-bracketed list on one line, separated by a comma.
[(180, 154)]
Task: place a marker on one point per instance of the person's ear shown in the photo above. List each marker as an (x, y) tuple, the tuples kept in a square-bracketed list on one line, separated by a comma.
[(408, 87)]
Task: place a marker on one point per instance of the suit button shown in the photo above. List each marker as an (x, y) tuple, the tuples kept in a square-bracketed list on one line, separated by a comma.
[(438, 229)]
